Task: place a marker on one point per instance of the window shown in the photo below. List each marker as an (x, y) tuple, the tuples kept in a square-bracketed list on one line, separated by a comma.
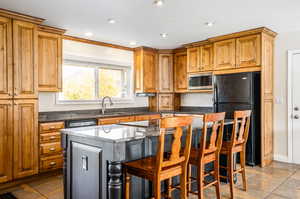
[(91, 82)]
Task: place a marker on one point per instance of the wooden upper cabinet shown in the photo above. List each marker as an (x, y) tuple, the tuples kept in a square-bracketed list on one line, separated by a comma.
[(206, 58), (25, 59), (180, 72), (248, 51), (49, 61), (193, 64), (6, 80), (165, 73), (224, 54), (145, 69), (6, 140), (25, 138)]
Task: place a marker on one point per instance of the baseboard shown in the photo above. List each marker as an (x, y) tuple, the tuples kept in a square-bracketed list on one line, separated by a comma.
[(281, 158)]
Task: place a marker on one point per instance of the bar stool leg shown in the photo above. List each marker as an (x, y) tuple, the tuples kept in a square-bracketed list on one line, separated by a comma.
[(230, 168), (127, 185), (243, 165), (183, 179), (217, 178), (157, 188), (200, 181), (189, 182), (169, 186)]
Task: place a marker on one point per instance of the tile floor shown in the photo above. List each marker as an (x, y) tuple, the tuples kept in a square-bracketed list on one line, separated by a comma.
[(278, 181)]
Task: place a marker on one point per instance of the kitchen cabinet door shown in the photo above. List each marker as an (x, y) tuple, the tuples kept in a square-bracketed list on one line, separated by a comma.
[(6, 140), (180, 74), (166, 102), (165, 73), (193, 63), (206, 58), (6, 80), (138, 72), (49, 61), (149, 68), (25, 138), (224, 53), (25, 60), (248, 51)]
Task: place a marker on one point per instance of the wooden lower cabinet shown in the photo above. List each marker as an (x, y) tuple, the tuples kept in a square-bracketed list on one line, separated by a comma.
[(25, 143), (6, 140), (50, 146)]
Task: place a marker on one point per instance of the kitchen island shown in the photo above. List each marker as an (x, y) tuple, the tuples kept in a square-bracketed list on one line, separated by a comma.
[(93, 157)]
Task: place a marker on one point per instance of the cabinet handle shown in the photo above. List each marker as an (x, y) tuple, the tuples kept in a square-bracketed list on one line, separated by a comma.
[(52, 149), (15, 94), (52, 163)]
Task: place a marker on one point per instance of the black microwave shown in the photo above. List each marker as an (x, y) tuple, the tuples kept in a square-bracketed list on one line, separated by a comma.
[(200, 81)]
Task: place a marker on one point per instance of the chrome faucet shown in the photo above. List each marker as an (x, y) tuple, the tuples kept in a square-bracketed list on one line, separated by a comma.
[(104, 105)]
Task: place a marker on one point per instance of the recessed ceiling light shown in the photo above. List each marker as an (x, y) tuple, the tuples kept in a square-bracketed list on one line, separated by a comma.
[(158, 3), (132, 43), (163, 35), (111, 21), (88, 34), (209, 24)]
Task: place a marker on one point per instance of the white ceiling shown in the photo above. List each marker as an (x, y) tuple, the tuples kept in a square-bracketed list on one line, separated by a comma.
[(141, 21)]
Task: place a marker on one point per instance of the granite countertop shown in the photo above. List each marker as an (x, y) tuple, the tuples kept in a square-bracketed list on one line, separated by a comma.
[(125, 132), (94, 114), (78, 116)]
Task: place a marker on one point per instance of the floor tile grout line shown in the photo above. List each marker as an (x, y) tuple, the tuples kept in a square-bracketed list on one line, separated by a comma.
[(281, 184)]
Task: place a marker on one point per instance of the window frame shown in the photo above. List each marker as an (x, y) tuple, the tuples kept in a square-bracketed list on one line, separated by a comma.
[(127, 71)]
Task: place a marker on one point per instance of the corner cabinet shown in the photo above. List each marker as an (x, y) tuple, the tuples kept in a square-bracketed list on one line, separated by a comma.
[(25, 60), (50, 59), (165, 73), (180, 72), (145, 70), (25, 138)]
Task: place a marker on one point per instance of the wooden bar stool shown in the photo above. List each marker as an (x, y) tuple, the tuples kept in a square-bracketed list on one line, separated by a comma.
[(208, 152), (164, 166), (237, 144)]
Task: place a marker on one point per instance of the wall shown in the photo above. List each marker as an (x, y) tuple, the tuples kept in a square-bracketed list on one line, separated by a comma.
[(197, 99), (284, 42), (91, 53)]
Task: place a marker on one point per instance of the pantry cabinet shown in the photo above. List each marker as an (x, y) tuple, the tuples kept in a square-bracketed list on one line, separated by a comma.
[(25, 144), (6, 140), (50, 59), (145, 70), (6, 67), (25, 60)]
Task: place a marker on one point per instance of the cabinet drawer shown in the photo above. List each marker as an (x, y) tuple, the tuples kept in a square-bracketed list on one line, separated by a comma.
[(50, 137), (127, 119), (115, 120), (52, 162), (51, 126), (50, 148), (108, 121), (146, 117)]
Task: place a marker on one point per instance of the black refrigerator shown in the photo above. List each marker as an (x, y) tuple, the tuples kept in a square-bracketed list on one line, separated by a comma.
[(241, 91)]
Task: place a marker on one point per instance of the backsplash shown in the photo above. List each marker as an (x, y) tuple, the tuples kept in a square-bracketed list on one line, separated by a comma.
[(197, 99), (47, 102)]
